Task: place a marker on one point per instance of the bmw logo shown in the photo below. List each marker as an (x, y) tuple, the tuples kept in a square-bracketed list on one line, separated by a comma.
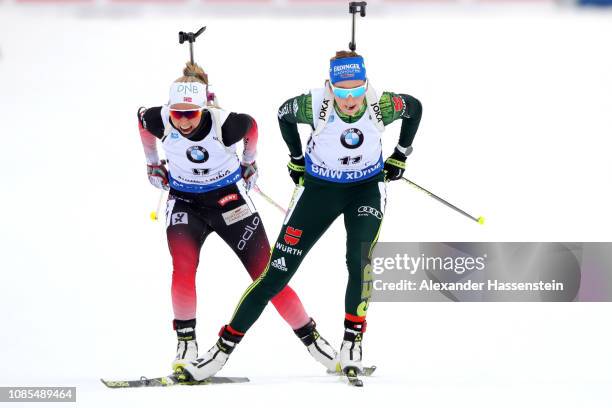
[(351, 138), (197, 154)]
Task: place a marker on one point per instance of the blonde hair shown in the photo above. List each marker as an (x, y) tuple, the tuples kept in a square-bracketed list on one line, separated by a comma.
[(193, 73), (344, 54)]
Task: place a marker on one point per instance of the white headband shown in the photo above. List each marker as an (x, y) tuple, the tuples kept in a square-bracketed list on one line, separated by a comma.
[(188, 92)]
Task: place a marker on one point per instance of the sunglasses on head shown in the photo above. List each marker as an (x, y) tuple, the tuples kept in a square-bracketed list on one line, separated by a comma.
[(178, 114), (346, 92)]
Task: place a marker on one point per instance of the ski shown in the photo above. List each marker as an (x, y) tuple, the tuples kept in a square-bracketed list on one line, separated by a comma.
[(365, 371), (353, 378), (169, 381)]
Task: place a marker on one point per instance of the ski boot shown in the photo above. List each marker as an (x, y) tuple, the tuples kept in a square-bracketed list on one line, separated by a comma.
[(318, 347), (187, 347), (215, 358), (351, 351)]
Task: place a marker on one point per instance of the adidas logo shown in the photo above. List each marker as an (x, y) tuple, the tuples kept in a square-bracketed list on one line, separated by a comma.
[(280, 264)]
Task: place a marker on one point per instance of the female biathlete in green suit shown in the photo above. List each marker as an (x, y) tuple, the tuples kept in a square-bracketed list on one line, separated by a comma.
[(342, 172)]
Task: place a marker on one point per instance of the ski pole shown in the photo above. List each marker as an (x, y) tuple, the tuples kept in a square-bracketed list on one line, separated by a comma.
[(269, 199), (354, 8), (479, 220), (161, 197), (159, 203)]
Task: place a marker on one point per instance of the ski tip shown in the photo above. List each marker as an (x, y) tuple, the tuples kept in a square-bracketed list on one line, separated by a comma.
[(105, 382), (115, 384)]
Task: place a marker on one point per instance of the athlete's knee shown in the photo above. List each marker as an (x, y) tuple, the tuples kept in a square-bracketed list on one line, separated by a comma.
[(268, 288), (356, 262), (185, 262), (271, 283), (353, 262)]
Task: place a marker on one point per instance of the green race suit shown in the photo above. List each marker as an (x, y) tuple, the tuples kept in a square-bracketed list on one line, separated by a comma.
[(317, 203)]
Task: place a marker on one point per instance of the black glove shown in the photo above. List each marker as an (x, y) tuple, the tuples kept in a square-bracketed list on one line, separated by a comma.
[(395, 166), (296, 169)]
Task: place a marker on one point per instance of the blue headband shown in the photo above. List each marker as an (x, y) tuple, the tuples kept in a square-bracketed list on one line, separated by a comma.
[(346, 69)]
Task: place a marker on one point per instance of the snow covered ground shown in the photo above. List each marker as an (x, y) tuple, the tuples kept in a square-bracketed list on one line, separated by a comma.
[(516, 127)]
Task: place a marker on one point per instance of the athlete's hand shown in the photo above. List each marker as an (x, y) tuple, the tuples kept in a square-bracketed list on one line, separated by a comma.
[(296, 169), (249, 174), (395, 166), (158, 176)]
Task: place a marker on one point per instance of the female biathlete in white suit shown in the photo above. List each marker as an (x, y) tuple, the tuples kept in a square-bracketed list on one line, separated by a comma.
[(208, 186)]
